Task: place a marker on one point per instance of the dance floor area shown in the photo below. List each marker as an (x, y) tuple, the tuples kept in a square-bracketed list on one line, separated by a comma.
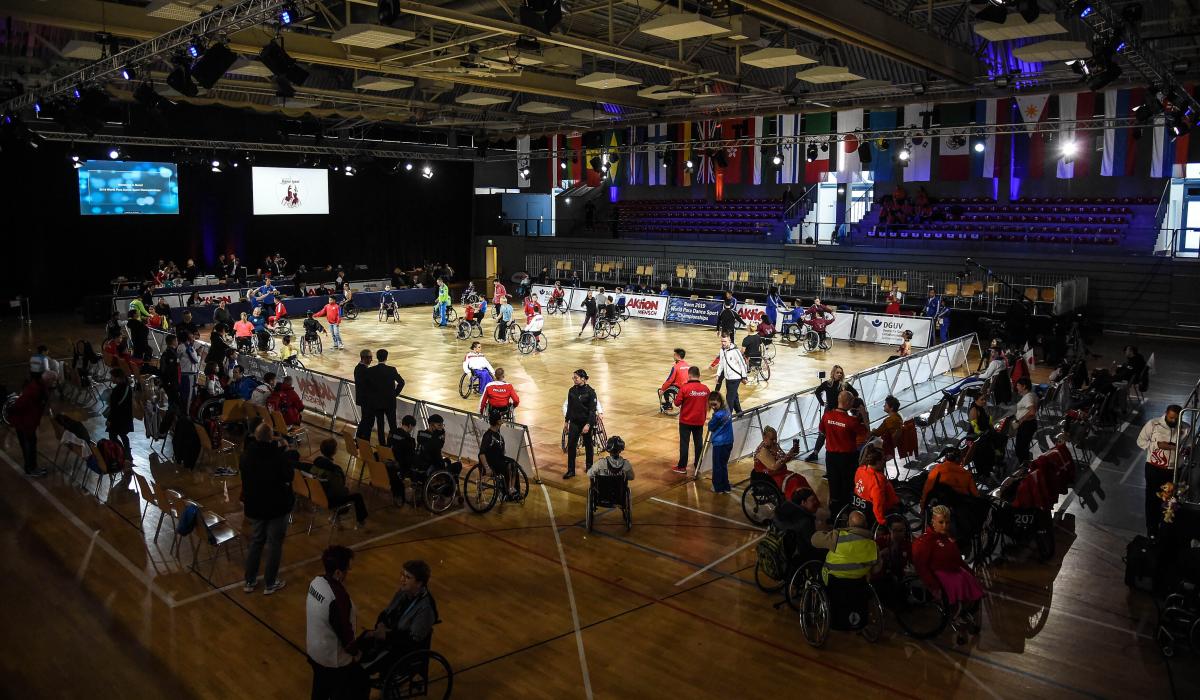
[(531, 603)]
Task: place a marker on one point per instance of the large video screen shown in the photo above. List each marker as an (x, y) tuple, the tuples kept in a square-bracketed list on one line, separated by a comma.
[(291, 191), (128, 187)]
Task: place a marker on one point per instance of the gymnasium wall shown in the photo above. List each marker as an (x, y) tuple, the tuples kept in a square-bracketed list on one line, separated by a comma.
[(1126, 292)]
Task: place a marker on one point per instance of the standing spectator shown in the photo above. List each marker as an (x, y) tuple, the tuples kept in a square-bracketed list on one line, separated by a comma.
[(334, 481), (189, 367), (333, 314), (330, 637), (1026, 419), (937, 310), (25, 415), (139, 335), (119, 423), (732, 370), (221, 315), (720, 436), (1160, 437), (187, 324), (827, 395), (219, 347), (579, 415), (360, 388), (383, 384), (842, 432), (39, 363), (728, 321), (693, 403), (267, 502)]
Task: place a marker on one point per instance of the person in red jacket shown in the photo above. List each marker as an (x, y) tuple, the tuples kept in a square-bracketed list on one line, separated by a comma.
[(677, 377), (25, 416), (498, 395), (940, 565), (285, 400), (843, 432), (333, 313), (872, 487), (693, 403)]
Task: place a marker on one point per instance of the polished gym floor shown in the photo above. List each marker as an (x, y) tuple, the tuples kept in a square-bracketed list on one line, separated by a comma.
[(531, 603)]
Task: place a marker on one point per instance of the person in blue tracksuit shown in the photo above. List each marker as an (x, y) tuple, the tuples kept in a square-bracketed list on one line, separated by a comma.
[(937, 310), (774, 303)]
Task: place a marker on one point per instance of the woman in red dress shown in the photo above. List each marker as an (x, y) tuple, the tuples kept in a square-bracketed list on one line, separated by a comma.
[(940, 565), (770, 459)]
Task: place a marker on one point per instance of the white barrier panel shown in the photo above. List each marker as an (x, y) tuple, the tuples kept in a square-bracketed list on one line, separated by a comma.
[(319, 392), (886, 330)]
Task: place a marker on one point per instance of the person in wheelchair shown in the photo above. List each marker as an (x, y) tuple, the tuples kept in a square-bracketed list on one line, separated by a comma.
[(610, 310), (475, 363), (622, 301), (794, 319), (287, 352), (950, 474), (676, 378), (940, 565), (429, 457), (872, 488), (851, 560), (534, 325), (278, 313), (493, 456), (613, 464), (406, 624), (557, 297), (404, 448), (797, 519), (243, 330), (259, 321), (499, 396), (312, 327), (387, 303), (348, 299)]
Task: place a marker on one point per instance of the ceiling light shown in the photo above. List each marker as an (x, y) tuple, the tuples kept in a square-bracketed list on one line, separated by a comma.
[(689, 164), (607, 80), (287, 14), (566, 200), (1086, 12), (427, 172), (481, 99), (525, 172), (349, 171), (681, 25), (777, 159), (1068, 149), (114, 153), (371, 36), (216, 163), (980, 146), (562, 164), (128, 73), (380, 83), (37, 105), (776, 57), (408, 166), (905, 153)]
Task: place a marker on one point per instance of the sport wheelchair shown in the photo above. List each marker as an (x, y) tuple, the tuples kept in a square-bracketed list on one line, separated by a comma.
[(468, 384), (759, 370), (437, 486), (311, 344), (482, 487), (556, 305), (761, 499), (529, 341), (599, 438), (666, 402), (605, 328), (467, 329), (512, 334), (827, 602), (415, 672), (349, 310), (451, 315), (609, 491), (388, 311), (281, 327)]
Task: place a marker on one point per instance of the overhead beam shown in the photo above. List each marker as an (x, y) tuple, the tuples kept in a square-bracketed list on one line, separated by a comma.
[(858, 24)]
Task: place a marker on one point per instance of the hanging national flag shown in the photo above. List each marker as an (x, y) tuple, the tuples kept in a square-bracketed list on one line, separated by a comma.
[(816, 128), (705, 132), (849, 152), (1003, 158), (522, 161), (984, 164), (954, 155), (1162, 153), (881, 155), (1071, 107), (616, 162), (685, 154), (739, 151), (553, 144), (787, 128), (656, 134), (758, 151), (1029, 149), (916, 169)]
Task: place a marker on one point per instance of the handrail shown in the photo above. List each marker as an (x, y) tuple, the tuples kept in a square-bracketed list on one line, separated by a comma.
[(802, 198), (1163, 200)]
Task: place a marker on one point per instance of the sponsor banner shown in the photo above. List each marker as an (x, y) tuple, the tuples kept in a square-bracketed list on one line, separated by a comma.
[(703, 312), (638, 305), (318, 392), (359, 286), (214, 298), (886, 330)]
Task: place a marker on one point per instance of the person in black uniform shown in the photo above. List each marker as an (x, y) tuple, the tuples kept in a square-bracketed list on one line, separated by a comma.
[(589, 313), (404, 448), (360, 388), (610, 310), (492, 455), (728, 322), (378, 393), (579, 412)]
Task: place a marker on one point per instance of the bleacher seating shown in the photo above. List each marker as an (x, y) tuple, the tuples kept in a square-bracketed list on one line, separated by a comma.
[(692, 219), (1061, 220)]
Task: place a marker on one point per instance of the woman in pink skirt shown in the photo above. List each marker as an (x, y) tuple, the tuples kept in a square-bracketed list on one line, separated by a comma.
[(941, 567)]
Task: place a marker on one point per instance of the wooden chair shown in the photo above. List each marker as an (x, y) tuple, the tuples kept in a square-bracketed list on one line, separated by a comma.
[(641, 270), (951, 289), (59, 433), (319, 500), (885, 285), (743, 276), (105, 469), (291, 432), (351, 442), (166, 501), (378, 479), (841, 283), (1031, 293), (1048, 295), (731, 277), (649, 271), (366, 455), (212, 529), (233, 411), (902, 286), (207, 447)]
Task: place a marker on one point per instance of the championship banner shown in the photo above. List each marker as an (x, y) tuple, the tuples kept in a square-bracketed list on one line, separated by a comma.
[(842, 327), (886, 330), (702, 312)]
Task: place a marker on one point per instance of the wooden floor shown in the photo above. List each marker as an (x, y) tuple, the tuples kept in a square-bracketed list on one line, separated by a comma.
[(531, 603)]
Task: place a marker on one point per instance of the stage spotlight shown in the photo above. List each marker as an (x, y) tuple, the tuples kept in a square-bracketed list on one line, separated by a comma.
[(566, 200), (777, 159), (905, 154), (525, 172), (37, 106), (689, 164), (408, 166), (287, 14), (74, 156), (1144, 112), (427, 172), (128, 73), (195, 47), (825, 147), (562, 164), (1086, 11), (810, 153), (114, 153), (349, 170), (980, 146), (665, 164), (1103, 77), (215, 165), (1068, 149)]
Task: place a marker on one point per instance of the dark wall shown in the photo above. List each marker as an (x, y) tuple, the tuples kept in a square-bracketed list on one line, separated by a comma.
[(377, 219)]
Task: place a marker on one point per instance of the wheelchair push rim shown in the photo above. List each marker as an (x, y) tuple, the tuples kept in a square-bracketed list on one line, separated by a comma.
[(418, 674), (441, 491), (479, 489), (814, 615)]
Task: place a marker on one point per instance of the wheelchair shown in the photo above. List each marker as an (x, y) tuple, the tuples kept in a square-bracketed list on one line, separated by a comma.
[(528, 342), (828, 603), (310, 344), (436, 486), (281, 327), (467, 329), (293, 362), (245, 345), (451, 315), (389, 312), (469, 384), (666, 403), (761, 499), (760, 370), (622, 312), (415, 673), (599, 438), (483, 488), (349, 311), (813, 341), (609, 491), (768, 350), (469, 296), (556, 305), (512, 335), (1018, 525), (1179, 620), (605, 328), (972, 522)]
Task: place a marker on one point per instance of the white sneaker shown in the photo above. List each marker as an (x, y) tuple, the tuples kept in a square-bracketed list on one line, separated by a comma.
[(279, 583), (249, 587)]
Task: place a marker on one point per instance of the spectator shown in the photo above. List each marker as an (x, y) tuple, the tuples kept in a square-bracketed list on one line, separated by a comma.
[(189, 367), (382, 385), (330, 640), (892, 423), (1160, 437), (732, 369), (287, 402), (267, 503), (139, 336), (334, 481), (827, 395), (221, 315), (951, 474), (872, 486), (1026, 419), (693, 402), (720, 435), (39, 362), (407, 621), (25, 416), (937, 310), (940, 565), (82, 360), (1133, 367), (240, 385), (262, 392), (770, 459), (187, 324), (842, 431), (119, 422)]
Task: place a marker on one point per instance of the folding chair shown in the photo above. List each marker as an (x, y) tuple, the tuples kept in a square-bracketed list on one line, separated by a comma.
[(291, 432), (351, 443), (931, 421), (207, 447), (318, 500), (213, 529), (104, 470)]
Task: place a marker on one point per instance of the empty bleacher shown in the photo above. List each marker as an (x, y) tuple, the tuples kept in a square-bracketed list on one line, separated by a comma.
[(1111, 221), (692, 219)]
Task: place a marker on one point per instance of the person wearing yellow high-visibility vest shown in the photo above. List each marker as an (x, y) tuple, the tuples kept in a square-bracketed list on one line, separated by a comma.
[(853, 554)]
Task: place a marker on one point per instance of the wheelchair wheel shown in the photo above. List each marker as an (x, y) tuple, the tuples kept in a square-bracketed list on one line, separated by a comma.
[(296, 363), (872, 631), (759, 502), (283, 326), (418, 674), (350, 313), (764, 372), (627, 512), (599, 437), (763, 578), (540, 343), (614, 329), (463, 331), (812, 341), (522, 483), (814, 614), (526, 344), (600, 330), (919, 612), (792, 334), (805, 574), (479, 489), (451, 314), (477, 330), (496, 333), (827, 344), (768, 352), (466, 385), (441, 491)]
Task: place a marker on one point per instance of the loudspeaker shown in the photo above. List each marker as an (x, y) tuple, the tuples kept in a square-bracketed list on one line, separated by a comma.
[(864, 152), (280, 63), (209, 68), (541, 15), (181, 82)]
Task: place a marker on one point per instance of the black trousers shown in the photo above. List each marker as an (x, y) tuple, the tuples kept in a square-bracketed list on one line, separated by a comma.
[(360, 506), (28, 443), (345, 683), (1025, 432), (696, 433), (839, 469), (367, 419), (574, 431), (1155, 478)]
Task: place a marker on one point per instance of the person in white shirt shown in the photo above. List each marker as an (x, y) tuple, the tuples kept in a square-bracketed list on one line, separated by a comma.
[(731, 368), (476, 363), (330, 636), (1160, 437), (535, 323), (1026, 419), (261, 392), (996, 365)]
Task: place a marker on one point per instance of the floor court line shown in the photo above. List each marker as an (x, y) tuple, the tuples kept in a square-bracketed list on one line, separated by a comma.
[(696, 573), (961, 668), (1060, 611), (562, 558), (656, 499)]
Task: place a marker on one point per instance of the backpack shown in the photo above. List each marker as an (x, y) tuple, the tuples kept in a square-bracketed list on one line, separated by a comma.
[(113, 454), (187, 520), (1141, 560), (772, 557)]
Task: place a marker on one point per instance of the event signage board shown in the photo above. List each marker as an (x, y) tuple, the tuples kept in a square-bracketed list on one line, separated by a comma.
[(886, 330), (638, 305), (702, 312)]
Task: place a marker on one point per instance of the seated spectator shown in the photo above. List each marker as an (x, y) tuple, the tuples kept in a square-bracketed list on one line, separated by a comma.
[(891, 425), (240, 385), (940, 565), (334, 481), (873, 487), (286, 401), (979, 430), (407, 621), (261, 392), (1132, 367), (770, 459), (951, 474)]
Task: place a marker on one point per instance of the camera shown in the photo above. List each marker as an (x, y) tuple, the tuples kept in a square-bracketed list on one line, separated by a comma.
[(821, 374)]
